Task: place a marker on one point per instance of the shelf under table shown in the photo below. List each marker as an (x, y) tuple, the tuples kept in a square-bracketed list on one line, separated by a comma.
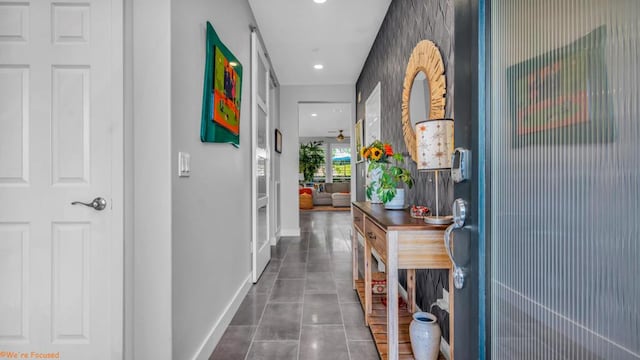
[(378, 325)]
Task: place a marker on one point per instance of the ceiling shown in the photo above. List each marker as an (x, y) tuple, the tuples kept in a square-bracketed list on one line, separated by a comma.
[(330, 117), (301, 33)]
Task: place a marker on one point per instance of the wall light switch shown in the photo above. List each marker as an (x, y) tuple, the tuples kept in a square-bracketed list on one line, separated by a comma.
[(184, 164)]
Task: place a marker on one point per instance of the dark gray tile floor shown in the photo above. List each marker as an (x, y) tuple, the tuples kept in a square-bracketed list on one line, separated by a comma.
[(303, 307)]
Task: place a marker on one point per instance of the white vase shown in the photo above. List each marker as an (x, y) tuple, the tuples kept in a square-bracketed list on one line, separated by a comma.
[(397, 202), (374, 196), (425, 336), (373, 177)]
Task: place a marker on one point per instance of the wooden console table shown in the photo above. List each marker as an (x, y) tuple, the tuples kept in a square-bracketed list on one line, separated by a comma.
[(403, 243)]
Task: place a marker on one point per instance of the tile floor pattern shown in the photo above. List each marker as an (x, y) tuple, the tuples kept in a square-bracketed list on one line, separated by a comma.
[(304, 306)]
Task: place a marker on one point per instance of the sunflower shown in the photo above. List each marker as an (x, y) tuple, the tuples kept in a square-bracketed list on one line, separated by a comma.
[(376, 154), (366, 152)]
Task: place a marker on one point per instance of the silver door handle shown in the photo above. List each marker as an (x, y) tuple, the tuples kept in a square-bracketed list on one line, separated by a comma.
[(459, 217), (97, 203)]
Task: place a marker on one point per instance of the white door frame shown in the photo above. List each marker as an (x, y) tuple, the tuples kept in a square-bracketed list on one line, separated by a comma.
[(117, 179), (260, 255)]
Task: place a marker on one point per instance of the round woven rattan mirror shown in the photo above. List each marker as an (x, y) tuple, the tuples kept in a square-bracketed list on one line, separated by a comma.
[(425, 58)]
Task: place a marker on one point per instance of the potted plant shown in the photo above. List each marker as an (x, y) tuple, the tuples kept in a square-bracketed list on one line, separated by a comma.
[(311, 159), (391, 176)]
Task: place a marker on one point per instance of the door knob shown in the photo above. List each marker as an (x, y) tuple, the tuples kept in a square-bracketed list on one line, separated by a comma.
[(97, 203), (459, 217)]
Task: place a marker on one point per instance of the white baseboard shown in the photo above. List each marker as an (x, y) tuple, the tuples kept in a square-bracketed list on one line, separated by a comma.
[(218, 329), (275, 238), (290, 232)]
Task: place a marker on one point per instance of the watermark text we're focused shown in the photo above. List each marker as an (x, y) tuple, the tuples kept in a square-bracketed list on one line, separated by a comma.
[(28, 355)]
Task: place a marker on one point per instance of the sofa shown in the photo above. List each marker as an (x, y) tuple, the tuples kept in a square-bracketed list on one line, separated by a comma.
[(341, 199), (341, 190)]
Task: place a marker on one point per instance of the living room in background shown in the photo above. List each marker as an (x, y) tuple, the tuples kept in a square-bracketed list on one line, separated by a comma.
[(330, 124)]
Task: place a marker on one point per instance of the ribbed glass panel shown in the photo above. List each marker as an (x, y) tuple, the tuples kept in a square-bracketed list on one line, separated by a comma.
[(565, 157)]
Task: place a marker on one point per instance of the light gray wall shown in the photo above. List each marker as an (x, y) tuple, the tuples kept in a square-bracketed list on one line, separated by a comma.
[(187, 257), (211, 209), (149, 277), (290, 97)]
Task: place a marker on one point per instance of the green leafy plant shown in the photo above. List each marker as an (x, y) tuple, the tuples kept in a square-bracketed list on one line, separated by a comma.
[(382, 159), (311, 159)]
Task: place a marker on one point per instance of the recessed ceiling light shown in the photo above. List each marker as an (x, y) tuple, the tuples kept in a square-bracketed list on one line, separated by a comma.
[(314, 114), (318, 66), (319, 1)]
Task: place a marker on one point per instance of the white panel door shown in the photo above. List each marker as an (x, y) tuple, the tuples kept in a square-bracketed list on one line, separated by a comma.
[(60, 141), (261, 248)]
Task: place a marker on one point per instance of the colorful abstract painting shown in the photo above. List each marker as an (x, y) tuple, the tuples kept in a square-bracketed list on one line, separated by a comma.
[(222, 93), (558, 95), (226, 110)]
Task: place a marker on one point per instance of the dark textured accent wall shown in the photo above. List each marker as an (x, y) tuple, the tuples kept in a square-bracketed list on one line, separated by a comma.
[(407, 22)]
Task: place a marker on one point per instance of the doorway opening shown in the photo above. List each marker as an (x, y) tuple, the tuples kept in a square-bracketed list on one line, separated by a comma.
[(325, 156)]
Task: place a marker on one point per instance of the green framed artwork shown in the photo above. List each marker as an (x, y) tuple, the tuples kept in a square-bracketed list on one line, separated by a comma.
[(222, 93), (562, 97)]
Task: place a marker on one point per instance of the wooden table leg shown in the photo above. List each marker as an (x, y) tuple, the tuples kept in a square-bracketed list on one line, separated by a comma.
[(367, 281), (392, 294), (411, 290), (354, 254)]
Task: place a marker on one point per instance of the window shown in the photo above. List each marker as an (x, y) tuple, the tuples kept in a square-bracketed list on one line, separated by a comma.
[(321, 174), (340, 163)]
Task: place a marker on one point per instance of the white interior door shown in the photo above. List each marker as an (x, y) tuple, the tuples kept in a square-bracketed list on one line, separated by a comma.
[(261, 249), (61, 141)]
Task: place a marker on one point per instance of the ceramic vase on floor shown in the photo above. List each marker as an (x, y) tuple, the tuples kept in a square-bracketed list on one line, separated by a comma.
[(425, 336), (397, 202)]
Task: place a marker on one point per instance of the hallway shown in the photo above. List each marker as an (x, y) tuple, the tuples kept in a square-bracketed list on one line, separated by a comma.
[(303, 307)]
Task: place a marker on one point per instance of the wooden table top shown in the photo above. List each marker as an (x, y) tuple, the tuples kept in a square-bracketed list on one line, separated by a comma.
[(394, 220)]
